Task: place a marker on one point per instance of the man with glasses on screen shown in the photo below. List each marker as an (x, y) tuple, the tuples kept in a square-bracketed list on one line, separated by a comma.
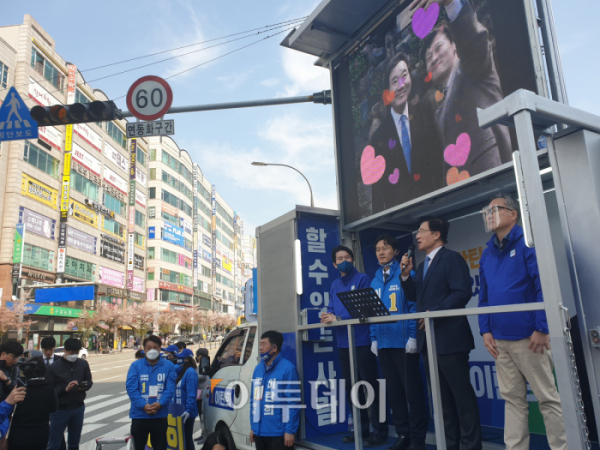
[(518, 341)]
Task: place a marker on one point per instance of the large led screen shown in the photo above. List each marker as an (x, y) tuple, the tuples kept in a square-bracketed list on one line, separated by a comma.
[(406, 99)]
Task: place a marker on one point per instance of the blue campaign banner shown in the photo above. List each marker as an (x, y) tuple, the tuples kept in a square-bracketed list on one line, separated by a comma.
[(173, 234), (318, 236), (65, 294), (151, 232)]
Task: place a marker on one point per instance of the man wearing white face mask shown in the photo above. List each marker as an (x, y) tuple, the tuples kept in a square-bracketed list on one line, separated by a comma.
[(150, 386), (71, 378)]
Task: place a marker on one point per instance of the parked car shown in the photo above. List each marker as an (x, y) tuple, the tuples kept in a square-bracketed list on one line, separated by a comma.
[(83, 353)]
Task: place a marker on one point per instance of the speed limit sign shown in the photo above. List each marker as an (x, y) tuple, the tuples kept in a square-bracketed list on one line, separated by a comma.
[(149, 98)]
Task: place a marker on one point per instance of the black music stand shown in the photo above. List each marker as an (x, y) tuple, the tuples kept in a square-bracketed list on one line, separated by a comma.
[(363, 303)]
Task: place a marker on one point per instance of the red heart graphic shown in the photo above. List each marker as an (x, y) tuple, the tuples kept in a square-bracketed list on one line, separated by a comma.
[(428, 77), (393, 177), (454, 176), (371, 167), (388, 97), (417, 176), (458, 118), (439, 95), (456, 155)]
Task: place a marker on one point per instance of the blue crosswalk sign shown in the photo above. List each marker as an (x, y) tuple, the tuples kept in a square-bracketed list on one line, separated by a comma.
[(15, 121)]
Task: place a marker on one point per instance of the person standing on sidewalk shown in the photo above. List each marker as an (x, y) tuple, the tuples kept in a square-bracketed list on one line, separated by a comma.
[(71, 378), (150, 386), (519, 341)]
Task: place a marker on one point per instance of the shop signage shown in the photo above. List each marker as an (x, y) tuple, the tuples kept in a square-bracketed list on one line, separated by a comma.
[(136, 296), (81, 240), (114, 192), (86, 160), (88, 135), (140, 198), (85, 173), (81, 212), (39, 191), (99, 208), (116, 157), (115, 180), (34, 274), (112, 251), (112, 277), (175, 287), (138, 262)]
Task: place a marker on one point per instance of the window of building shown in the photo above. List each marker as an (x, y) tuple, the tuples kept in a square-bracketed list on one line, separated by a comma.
[(150, 252), (153, 174), (3, 75), (40, 159), (142, 158), (188, 244), (170, 161), (113, 227), (169, 256), (80, 97), (152, 192), (140, 219), (139, 240), (115, 132), (206, 271), (150, 276), (114, 204), (153, 154), (169, 218), (83, 185), (47, 70), (80, 269), (38, 257)]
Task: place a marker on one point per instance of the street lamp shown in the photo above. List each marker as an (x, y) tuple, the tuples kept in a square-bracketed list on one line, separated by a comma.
[(312, 203)]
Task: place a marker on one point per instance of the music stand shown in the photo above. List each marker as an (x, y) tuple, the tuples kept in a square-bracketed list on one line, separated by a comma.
[(363, 303)]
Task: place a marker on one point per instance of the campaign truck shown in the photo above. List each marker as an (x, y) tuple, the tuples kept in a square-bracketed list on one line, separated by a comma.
[(415, 138)]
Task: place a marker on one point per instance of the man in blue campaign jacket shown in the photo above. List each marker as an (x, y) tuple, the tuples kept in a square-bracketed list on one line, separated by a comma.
[(396, 346), (275, 397), (350, 280), (509, 275), (150, 386)]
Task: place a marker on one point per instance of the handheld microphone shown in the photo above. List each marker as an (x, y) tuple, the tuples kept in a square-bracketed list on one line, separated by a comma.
[(409, 254)]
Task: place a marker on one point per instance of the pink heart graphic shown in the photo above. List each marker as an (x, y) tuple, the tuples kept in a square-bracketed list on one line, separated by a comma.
[(456, 155), (423, 21), (392, 143), (394, 176), (371, 167)]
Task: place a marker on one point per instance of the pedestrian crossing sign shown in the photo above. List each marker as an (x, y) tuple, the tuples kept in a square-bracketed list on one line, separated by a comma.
[(15, 121)]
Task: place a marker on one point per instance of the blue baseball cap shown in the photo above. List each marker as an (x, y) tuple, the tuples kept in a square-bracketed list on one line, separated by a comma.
[(185, 353), (171, 349)]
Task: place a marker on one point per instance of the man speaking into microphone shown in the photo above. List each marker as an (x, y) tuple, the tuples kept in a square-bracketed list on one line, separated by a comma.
[(442, 282)]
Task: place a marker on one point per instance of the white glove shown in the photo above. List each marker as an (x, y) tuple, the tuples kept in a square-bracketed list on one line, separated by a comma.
[(185, 416), (374, 348), (411, 345)]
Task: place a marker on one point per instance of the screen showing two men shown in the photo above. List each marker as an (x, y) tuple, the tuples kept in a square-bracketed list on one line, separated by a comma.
[(407, 97)]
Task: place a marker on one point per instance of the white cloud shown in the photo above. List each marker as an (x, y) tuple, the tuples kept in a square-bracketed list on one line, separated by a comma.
[(270, 82), (305, 77), (235, 79)]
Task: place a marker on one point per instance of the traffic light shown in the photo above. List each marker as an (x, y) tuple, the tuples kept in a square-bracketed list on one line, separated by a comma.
[(76, 113)]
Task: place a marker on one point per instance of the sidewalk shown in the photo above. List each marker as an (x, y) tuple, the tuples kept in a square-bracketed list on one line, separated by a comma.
[(212, 350)]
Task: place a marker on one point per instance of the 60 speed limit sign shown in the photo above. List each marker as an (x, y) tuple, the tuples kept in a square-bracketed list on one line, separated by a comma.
[(149, 98)]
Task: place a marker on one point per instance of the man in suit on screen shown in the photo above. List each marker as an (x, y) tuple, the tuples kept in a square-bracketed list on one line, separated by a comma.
[(408, 143), (442, 282)]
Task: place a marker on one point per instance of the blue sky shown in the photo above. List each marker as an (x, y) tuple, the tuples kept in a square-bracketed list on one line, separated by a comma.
[(224, 143)]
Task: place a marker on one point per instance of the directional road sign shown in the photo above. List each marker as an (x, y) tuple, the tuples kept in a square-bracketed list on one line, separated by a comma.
[(157, 128), (15, 121), (149, 98)]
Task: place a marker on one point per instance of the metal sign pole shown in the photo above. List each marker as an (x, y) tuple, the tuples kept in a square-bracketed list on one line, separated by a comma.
[(563, 363), (434, 381), (358, 440)]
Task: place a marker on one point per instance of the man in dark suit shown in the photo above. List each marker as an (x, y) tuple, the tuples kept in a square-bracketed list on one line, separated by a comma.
[(443, 282), (408, 143), (48, 345), (460, 58)]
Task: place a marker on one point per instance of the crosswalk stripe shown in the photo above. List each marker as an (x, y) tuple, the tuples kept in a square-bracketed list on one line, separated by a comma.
[(110, 413), (107, 403), (124, 419), (97, 397), (92, 427)]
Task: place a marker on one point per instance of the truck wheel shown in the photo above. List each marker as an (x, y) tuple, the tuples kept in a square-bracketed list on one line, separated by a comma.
[(222, 428)]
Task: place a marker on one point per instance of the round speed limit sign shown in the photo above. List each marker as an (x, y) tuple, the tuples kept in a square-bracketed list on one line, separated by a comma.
[(149, 98)]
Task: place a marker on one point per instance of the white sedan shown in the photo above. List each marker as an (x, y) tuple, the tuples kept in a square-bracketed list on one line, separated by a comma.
[(83, 353)]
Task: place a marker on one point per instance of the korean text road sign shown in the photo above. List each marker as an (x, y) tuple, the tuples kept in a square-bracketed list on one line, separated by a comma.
[(157, 128), (15, 120), (149, 98)]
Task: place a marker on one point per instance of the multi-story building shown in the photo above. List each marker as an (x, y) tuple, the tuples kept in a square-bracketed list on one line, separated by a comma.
[(170, 232), (248, 255), (88, 242), (135, 217)]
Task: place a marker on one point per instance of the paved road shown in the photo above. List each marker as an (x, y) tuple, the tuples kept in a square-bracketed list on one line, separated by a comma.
[(107, 404)]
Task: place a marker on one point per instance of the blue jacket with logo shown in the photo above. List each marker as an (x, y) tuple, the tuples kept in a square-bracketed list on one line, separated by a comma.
[(141, 377), (5, 412), (349, 282), (275, 388), (186, 391), (393, 335), (510, 277)]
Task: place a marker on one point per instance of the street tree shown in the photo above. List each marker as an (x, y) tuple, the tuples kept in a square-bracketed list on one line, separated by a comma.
[(86, 323), (8, 320)]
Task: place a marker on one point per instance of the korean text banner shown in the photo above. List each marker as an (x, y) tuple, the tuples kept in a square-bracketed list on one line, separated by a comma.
[(39, 191), (37, 223), (406, 100), (318, 237), (173, 234)]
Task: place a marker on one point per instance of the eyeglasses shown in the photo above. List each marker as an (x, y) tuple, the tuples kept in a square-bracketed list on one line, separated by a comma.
[(421, 231), (494, 209)]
